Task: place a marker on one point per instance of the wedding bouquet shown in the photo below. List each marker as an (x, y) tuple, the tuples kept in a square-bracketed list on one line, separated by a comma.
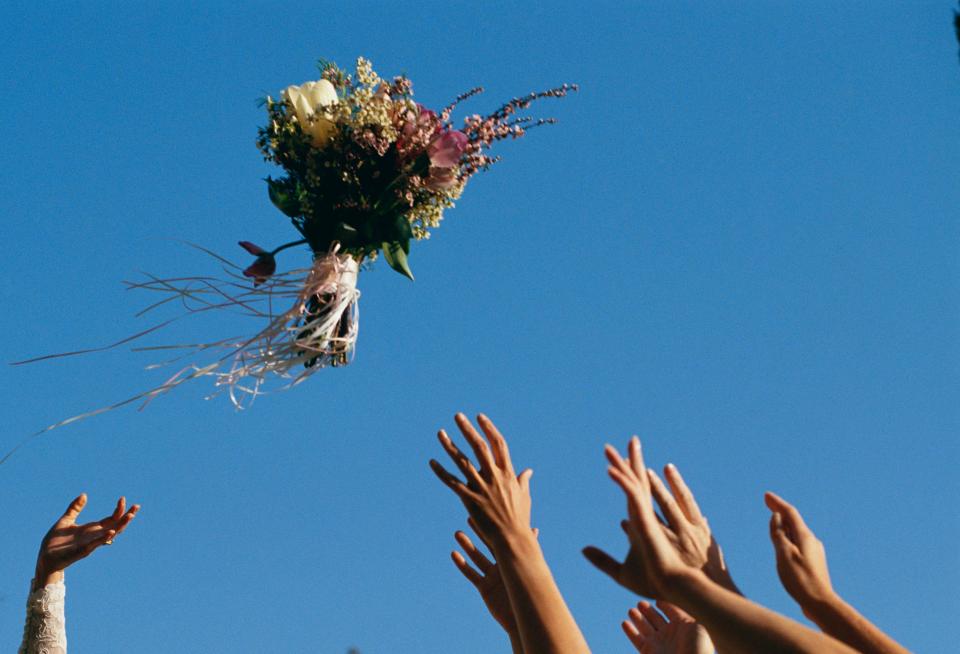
[(366, 171)]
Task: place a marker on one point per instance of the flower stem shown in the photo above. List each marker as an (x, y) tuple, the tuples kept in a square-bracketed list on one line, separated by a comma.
[(288, 245)]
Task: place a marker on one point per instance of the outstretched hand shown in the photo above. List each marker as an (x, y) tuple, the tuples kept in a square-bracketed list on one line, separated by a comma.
[(494, 495), (653, 561), (67, 542), (487, 580), (687, 528), (801, 557), (674, 632)]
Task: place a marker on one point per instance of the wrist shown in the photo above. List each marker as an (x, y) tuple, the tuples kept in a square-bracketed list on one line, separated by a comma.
[(678, 586), (43, 577), (722, 577), (518, 542), (44, 573), (822, 608)]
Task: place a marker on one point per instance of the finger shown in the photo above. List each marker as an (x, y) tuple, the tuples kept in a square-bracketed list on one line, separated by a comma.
[(481, 561), (472, 575), (616, 461), (636, 457), (87, 549), (671, 511), (460, 459), (628, 486), (476, 442), (782, 544), (652, 615), (524, 480), (479, 532), (641, 623), (792, 520), (636, 495), (682, 494), (674, 612), (126, 518), (454, 484), (114, 517), (603, 561), (76, 506), (501, 453), (632, 634)]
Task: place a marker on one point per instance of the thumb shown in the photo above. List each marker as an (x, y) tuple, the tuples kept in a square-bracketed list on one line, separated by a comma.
[(524, 479), (76, 506), (603, 561)]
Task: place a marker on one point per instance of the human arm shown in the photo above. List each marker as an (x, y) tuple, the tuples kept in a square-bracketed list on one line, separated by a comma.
[(802, 567), (499, 502), (64, 544), (654, 568), (672, 632)]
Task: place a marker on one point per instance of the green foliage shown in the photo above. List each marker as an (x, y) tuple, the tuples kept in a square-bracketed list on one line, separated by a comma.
[(396, 256), (283, 194)]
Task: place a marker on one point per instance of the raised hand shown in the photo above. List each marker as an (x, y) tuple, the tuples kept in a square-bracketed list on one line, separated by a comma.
[(488, 582), (652, 560), (67, 542), (499, 502), (495, 496), (802, 566), (686, 527), (801, 557), (677, 633), (654, 568)]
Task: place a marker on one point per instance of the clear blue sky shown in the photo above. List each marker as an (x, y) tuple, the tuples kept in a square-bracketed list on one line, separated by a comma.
[(741, 243)]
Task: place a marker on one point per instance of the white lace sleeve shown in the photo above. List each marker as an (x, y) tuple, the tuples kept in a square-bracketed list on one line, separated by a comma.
[(45, 631)]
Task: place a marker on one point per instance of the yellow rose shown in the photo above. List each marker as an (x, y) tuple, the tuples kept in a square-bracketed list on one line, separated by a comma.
[(308, 101)]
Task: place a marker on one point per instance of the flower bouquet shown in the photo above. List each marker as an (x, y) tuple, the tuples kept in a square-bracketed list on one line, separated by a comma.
[(366, 171)]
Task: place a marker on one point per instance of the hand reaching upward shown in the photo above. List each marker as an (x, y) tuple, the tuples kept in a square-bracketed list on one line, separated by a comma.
[(673, 632), (67, 542)]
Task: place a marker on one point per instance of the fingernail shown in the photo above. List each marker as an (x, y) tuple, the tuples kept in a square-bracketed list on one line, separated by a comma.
[(672, 467)]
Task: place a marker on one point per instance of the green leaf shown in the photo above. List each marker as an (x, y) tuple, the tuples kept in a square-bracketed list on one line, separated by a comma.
[(397, 258), (283, 198)]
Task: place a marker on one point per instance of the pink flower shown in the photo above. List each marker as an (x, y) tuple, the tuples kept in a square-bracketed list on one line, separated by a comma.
[(445, 150), (426, 115), (441, 178), (263, 267)]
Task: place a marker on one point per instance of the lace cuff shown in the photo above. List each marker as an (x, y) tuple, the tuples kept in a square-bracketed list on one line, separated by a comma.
[(45, 631)]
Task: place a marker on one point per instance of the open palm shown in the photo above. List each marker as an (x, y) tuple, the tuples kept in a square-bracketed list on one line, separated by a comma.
[(67, 542), (677, 633)]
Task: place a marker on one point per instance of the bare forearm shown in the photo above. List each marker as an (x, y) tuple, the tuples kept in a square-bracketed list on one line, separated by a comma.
[(545, 623), (738, 625), (516, 645), (843, 622)]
